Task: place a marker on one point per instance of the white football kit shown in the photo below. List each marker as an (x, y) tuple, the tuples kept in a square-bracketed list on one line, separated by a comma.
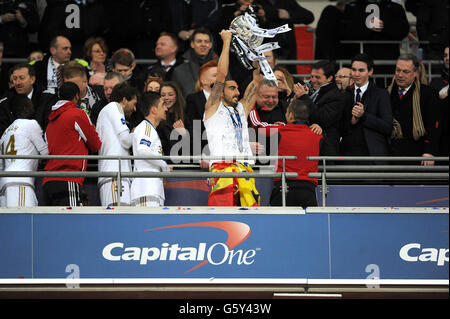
[(22, 137), (147, 191), (116, 141)]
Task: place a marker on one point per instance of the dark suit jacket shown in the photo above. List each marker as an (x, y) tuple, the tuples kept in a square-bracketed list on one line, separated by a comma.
[(41, 68), (327, 112), (376, 123), (195, 109), (403, 113), (6, 109)]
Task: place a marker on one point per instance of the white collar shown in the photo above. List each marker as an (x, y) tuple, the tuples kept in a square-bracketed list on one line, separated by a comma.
[(362, 88), (207, 94), (31, 94)]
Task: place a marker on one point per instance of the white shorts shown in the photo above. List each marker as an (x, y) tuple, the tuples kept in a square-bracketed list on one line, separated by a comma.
[(109, 195), (148, 201), (18, 196)]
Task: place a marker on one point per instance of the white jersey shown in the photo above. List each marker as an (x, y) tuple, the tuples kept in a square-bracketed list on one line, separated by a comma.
[(146, 142), (227, 132), (22, 137), (110, 124)]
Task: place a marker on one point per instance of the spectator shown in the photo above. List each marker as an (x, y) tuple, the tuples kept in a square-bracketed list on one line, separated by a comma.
[(326, 105), (116, 141), (290, 12), (343, 79), (328, 37), (153, 85), (96, 54), (166, 52), (149, 192), (367, 121), (297, 139), (123, 61), (195, 107), (24, 81), (176, 118), (267, 110), (87, 21), (201, 52), (416, 112), (111, 80), (22, 137), (154, 19), (17, 19), (441, 84), (3, 72), (49, 70), (90, 95), (392, 25), (189, 16), (69, 132), (433, 26), (36, 55)]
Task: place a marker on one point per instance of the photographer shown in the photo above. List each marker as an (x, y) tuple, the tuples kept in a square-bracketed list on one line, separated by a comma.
[(17, 19)]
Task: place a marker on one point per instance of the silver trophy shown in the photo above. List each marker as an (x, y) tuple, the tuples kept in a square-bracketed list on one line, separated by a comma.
[(248, 45)]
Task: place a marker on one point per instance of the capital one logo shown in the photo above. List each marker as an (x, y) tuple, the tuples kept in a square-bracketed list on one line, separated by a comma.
[(216, 254)]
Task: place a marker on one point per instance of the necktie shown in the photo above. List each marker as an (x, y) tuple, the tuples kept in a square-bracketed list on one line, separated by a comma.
[(401, 93), (358, 95), (59, 76), (85, 105)]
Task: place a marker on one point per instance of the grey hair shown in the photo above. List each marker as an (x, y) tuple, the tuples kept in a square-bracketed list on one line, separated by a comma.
[(410, 57)]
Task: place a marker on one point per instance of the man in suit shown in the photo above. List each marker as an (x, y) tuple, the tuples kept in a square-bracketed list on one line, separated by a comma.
[(24, 79), (367, 119), (326, 105), (416, 112), (201, 52), (49, 70), (166, 51)]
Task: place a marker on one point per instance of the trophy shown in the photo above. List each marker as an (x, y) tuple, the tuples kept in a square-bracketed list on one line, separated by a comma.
[(248, 45)]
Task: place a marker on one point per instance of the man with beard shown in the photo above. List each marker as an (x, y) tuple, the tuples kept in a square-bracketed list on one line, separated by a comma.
[(226, 126)]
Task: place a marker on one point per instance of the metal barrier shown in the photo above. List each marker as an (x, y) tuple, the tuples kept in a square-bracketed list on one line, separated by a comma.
[(377, 172), (120, 174)]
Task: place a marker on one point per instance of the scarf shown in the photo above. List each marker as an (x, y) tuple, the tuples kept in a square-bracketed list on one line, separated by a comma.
[(418, 126)]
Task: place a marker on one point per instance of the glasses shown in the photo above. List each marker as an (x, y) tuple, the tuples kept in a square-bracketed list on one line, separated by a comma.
[(342, 76)]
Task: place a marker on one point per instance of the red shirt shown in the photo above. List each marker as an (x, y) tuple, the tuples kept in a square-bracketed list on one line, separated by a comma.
[(69, 132), (298, 140)]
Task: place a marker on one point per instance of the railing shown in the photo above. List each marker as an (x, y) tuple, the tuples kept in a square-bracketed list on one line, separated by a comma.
[(377, 172), (121, 174)]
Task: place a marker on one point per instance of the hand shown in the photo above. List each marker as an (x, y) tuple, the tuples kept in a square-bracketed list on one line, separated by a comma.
[(185, 34), (21, 19), (427, 163), (316, 129), (204, 164), (179, 127), (280, 123), (257, 148), (358, 110), (300, 90), (8, 17), (378, 25), (226, 36), (284, 14)]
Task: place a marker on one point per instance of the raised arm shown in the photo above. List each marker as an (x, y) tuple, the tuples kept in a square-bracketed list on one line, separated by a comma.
[(222, 71), (249, 99)]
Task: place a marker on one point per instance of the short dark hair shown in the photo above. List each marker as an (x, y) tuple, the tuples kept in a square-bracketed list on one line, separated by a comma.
[(410, 57), (202, 30), (68, 91), (149, 100), (123, 56), (22, 106), (300, 110), (123, 90), (365, 58), (24, 65), (326, 66)]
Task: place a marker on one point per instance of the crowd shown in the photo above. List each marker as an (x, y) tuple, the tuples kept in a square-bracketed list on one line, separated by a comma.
[(82, 92)]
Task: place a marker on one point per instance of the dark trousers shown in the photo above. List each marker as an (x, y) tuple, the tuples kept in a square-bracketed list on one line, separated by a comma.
[(63, 193), (300, 193)]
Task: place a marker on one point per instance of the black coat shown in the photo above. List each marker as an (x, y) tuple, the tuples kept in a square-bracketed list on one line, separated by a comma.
[(439, 84), (327, 112), (403, 113), (328, 34), (376, 123), (396, 28), (195, 109)]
